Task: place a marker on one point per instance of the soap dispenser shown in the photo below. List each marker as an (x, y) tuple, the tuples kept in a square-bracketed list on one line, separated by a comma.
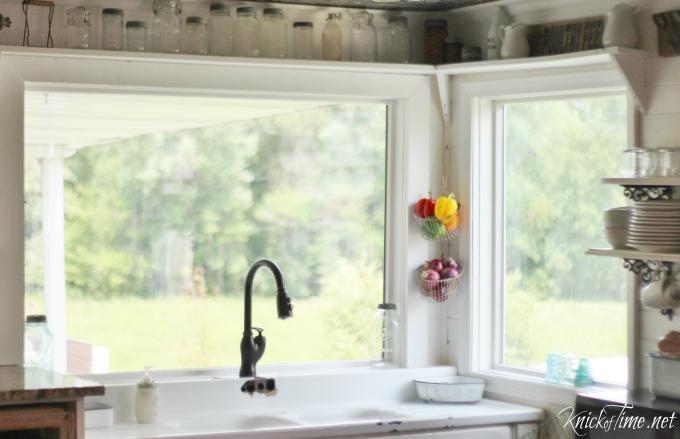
[(146, 399)]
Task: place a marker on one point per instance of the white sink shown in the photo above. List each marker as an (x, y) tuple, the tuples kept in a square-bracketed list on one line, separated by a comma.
[(256, 422), (348, 415)]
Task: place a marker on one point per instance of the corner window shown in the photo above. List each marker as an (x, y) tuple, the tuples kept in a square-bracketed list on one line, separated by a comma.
[(144, 212), (550, 155)]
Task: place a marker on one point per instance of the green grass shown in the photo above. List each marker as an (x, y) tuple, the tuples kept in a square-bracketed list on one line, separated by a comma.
[(587, 329), (176, 332)]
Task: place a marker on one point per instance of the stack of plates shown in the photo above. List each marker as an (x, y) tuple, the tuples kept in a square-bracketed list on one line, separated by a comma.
[(655, 226)]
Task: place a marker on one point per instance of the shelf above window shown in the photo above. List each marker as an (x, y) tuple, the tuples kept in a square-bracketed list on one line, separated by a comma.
[(634, 254)]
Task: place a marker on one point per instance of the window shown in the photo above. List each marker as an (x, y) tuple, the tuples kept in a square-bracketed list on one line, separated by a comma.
[(144, 212), (550, 155)]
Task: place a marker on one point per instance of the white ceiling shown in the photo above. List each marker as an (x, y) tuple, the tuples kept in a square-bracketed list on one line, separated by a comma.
[(76, 118)]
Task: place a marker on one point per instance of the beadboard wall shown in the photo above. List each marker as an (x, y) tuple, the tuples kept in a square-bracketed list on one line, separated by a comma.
[(659, 127)]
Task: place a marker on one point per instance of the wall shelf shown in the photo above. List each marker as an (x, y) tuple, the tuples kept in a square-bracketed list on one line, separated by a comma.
[(643, 181), (634, 254)]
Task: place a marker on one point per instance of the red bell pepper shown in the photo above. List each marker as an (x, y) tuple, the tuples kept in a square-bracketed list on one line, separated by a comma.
[(425, 207)]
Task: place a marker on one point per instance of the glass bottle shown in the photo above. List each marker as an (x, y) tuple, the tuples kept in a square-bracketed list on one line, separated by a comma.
[(398, 40), (38, 343), (302, 36), (77, 28), (135, 36), (385, 336), (272, 34), (331, 40), (167, 26), (364, 38), (220, 28), (436, 32), (196, 36), (246, 32), (112, 29)]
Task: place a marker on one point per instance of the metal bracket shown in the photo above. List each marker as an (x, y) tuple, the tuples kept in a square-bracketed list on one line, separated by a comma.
[(647, 193), (649, 271)]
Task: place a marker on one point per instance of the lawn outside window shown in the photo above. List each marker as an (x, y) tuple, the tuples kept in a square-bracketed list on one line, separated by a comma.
[(538, 151)]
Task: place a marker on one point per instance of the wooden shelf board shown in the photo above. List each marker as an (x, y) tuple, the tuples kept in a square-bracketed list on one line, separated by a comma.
[(643, 181), (634, 254)]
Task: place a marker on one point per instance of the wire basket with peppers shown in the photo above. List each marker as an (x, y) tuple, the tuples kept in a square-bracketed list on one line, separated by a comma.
[(437, 219), (439, 279)]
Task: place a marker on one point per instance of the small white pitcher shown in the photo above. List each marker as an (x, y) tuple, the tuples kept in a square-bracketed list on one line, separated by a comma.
[(515, 43)]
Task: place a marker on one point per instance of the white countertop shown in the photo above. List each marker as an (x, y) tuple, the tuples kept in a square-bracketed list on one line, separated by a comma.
[(326, 421)]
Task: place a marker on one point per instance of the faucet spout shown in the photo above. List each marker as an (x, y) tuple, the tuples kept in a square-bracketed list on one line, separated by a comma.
[(252, 348)]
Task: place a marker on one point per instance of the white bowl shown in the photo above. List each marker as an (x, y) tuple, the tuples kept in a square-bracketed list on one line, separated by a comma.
[(450, 389), (617, 217), (665, 376), (617, 237)]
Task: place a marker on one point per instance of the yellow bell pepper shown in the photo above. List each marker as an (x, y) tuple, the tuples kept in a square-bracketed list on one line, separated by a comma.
[(445, 209)]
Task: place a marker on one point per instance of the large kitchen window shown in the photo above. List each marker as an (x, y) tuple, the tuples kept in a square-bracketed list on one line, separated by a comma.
[(145, 210), (549, 157)]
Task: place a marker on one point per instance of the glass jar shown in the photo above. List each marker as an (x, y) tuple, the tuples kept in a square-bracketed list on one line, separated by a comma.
[(220, 29), (77, 28), (135, 36), (112, 29), (331, 40), (196, 36), (631, 162), (398, 40), (38, 343), (364, 40), (302, 36), (246, 32), (167, 26), (385, 336), (436, 31), (272, 34)]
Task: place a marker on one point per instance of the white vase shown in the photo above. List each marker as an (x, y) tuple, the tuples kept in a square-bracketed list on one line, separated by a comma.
[(619, 29), (493, 39), (515, 43)]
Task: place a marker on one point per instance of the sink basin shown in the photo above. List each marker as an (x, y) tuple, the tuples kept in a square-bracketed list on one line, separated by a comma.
[(263, 421), (349, 415)]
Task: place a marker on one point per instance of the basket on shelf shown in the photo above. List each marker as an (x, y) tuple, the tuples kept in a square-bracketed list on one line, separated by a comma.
[(438, 291), (433, 230)]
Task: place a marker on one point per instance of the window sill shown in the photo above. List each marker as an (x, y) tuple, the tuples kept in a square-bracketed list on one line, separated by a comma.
[(519, 388)]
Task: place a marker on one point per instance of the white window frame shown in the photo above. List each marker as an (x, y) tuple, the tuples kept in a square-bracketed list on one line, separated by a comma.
[(475, 125), (412, 150)]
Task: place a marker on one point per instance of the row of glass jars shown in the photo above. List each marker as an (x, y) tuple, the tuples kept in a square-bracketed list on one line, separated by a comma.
[(245, 35)]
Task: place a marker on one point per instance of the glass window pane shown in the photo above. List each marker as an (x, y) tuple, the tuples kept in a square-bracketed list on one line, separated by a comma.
[(557, 299), (162, 223)]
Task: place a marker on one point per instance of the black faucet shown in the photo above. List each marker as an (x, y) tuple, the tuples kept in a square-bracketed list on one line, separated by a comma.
[(253, 348)]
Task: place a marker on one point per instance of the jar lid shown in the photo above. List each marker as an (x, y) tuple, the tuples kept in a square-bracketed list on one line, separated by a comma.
[(218, 7), (135, 25), (387, 306), (436, 23), (245, 10), (398, 19), (196, 20), (272, 12), (36, 318), (303, 24), (112, 11)]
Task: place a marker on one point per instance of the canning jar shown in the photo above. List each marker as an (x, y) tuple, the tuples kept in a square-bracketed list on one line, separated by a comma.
[(364, 40), (331, 40), (38, 342), (167, 26), (398, 40), (135, 36), (385, 336), (246, 32), (112, 29), (196, 36), (302, 36), (220, 29), (272, 34), (77, 28), (436, 31)]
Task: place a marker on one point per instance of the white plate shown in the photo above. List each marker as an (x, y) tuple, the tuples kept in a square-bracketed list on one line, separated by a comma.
[(657, 203)]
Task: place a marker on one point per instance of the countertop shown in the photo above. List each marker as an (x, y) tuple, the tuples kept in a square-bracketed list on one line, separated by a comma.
[(327, 421), (19, 384)]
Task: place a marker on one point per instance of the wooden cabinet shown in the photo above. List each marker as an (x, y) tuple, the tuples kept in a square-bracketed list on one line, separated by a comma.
[(41, 421)]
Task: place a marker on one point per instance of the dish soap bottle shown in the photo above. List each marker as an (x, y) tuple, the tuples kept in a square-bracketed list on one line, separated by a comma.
[(146, 399)]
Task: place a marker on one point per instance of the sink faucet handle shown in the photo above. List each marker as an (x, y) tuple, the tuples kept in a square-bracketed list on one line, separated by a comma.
[(259, 330)]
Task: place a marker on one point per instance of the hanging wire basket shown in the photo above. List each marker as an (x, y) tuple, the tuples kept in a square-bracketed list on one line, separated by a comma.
[(438, 291), (433, 230)]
